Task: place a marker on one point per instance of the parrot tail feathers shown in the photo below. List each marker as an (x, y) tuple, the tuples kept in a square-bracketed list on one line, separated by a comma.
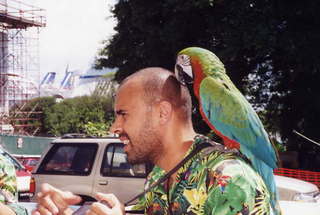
[(266, 173)]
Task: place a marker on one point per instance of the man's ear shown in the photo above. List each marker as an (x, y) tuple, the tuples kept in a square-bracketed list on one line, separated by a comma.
[(165, 111)]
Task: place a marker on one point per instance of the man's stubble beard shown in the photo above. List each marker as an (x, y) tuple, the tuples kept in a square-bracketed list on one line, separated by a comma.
[(147, 146)]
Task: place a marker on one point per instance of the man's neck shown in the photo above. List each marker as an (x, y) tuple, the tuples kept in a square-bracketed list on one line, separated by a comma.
[(176, 138), (174, 154)]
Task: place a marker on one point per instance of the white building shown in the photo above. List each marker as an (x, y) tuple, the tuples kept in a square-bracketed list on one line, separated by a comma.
[(74, 83)]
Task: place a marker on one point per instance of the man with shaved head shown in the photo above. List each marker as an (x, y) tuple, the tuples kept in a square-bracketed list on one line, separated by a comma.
[(153, 120), (153, 117)]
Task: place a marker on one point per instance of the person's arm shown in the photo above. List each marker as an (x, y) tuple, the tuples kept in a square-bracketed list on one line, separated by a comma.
[(53, 201)]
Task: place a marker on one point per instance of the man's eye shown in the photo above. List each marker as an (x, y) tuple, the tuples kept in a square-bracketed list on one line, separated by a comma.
[(121, 113)]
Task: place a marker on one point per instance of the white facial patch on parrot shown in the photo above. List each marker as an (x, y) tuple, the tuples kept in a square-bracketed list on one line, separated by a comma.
[(183, 69)]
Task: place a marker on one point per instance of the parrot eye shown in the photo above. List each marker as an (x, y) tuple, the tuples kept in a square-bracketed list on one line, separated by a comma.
[(182, 76)]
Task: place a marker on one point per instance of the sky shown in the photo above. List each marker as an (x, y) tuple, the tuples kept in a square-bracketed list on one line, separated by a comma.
[(73, 33)]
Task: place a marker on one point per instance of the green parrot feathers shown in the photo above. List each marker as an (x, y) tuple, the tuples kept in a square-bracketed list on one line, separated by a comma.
[(211, 64)]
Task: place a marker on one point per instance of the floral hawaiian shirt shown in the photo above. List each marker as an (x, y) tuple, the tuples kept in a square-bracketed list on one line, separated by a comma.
[(217, 183), (8, 186)]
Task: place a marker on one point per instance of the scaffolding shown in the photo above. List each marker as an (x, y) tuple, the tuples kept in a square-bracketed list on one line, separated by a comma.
[(20, 24)]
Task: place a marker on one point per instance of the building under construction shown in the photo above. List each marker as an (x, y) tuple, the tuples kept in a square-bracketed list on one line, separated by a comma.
[(20, 24)]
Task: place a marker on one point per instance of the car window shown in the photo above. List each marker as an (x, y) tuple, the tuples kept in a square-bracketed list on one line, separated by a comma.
[(70, 159), (32, 162), (115, 163)]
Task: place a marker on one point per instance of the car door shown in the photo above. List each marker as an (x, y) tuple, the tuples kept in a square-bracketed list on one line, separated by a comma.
[(117, 176), (69, 166)]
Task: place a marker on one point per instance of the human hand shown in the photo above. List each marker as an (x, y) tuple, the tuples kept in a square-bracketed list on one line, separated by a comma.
[(108, 204), (54, 201)]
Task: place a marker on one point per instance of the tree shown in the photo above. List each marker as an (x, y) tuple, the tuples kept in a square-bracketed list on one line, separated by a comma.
[(84, 114), (31, 114), (269, 48), (296, 63)]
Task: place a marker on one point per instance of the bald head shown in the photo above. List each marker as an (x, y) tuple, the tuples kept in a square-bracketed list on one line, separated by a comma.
[(158, 84)]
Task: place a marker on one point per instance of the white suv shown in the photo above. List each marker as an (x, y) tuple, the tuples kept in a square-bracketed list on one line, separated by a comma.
[(85, 166)]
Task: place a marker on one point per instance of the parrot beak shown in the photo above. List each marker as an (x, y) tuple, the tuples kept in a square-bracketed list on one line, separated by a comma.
[(183, 70)]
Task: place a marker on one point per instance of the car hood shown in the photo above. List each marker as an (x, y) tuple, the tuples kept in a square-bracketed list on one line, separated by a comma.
[(295, 184)]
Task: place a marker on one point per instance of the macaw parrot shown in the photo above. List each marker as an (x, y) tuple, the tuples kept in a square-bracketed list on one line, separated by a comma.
[(228, 113)]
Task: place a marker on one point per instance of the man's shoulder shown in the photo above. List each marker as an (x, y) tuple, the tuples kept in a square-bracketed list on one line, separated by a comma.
[(213, 158), (231, 164), (217, 151), (217, 156)]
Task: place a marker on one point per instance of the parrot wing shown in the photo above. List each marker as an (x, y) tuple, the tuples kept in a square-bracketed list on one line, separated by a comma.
[(229, 112)]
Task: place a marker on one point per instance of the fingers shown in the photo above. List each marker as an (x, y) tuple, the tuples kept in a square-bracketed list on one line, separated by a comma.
[(99, 209), (108, 205), (45, 188), (46, 205), (43, 211), (67, 197), (109, 199), (91, 213), (35, 212), (53, 201)]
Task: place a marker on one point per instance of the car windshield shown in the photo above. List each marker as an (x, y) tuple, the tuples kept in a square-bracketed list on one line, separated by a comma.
[(72, 159)]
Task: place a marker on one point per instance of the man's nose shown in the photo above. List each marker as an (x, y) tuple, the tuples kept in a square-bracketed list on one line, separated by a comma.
[(115, 127)]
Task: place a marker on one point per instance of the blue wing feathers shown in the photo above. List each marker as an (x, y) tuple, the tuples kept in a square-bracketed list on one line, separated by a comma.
[(231, 114), (238, 121), (234, 117)]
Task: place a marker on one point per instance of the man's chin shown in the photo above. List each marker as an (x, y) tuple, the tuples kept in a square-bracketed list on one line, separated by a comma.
[(134, 160)]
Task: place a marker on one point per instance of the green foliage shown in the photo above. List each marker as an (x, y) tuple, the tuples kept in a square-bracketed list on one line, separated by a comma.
[(32, 110), (98, 129), (91, 115), (79, 115), (280, 147), (270, 50), (40, 103)]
